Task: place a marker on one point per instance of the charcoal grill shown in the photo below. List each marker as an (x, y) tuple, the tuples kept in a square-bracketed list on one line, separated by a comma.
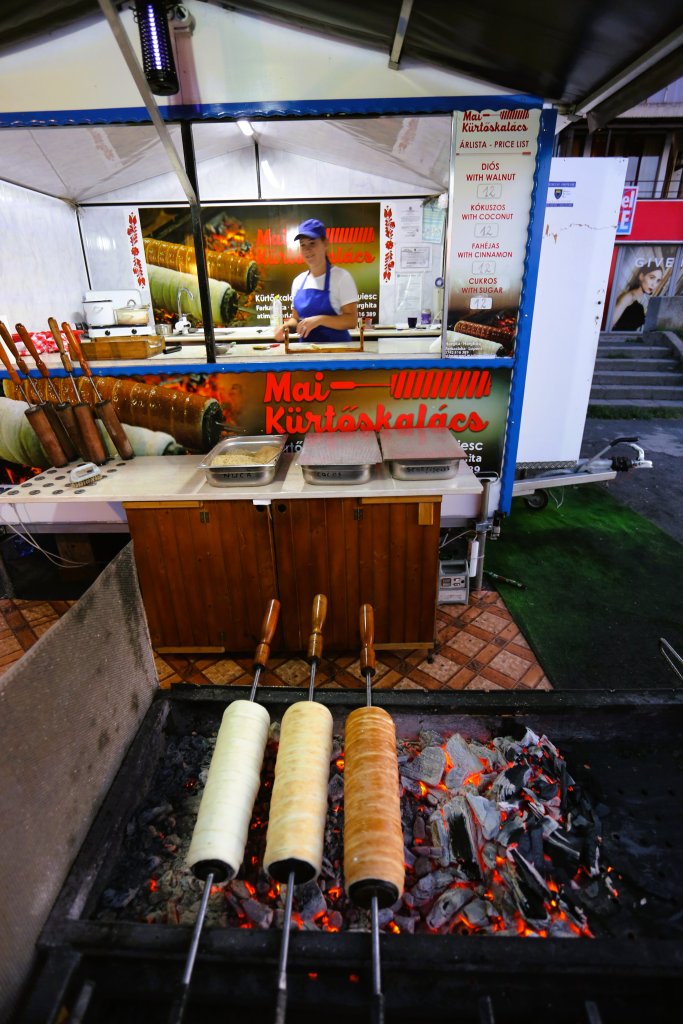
[(628, 746)]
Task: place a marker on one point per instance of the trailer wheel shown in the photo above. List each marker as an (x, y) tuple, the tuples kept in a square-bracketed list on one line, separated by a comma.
[(536, 501)]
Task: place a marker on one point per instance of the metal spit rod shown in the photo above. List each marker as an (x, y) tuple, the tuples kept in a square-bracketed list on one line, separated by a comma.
[(315, 652), (367, 666), (178, 1009), (268, 627)]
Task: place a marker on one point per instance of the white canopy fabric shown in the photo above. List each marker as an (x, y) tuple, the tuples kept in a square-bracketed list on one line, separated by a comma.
[(285, 159)]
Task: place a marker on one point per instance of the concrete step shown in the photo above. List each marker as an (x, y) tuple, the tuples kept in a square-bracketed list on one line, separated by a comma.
[(619, 351), (637, 378), (644, 403), (615, 364), (641, 340), (636, 393)]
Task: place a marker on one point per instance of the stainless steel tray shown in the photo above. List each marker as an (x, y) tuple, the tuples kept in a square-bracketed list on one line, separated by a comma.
[(337, 474), (421, 454), (245, 470), (339, 458)]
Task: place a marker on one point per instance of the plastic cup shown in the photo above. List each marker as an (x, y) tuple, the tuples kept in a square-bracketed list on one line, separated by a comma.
[(412, 321)]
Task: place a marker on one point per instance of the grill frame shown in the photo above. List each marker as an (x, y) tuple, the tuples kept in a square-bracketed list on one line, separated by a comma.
[(135, 966)]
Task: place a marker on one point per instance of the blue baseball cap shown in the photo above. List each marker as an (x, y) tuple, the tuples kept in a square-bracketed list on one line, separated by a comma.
[(311, 229)]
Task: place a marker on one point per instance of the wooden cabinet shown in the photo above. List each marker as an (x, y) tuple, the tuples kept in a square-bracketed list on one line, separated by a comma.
[(207, 570), (356, 551)]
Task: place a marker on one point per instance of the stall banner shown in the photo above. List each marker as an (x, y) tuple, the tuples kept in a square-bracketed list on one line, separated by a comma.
[(252, 257), (494, 161), (471, 402), (168, 414)]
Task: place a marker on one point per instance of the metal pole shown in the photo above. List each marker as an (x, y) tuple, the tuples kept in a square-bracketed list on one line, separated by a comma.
[(481, 534), (198, 237)]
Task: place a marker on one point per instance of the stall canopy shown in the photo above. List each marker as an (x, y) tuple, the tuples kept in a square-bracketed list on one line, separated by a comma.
[(587, 57)]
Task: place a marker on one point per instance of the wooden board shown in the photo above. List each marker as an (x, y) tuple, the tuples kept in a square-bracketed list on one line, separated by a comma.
[(135, 347)]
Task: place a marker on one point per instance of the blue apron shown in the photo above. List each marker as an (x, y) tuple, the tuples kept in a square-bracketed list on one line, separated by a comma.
[(316, 302)]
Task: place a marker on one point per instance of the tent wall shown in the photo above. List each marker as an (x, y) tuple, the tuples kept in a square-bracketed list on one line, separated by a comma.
[(42, 267)]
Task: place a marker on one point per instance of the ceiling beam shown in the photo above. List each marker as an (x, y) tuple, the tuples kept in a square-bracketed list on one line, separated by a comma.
[(650, 72)]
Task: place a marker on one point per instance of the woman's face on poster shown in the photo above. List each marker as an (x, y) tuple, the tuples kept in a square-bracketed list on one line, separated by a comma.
[(650, 279)]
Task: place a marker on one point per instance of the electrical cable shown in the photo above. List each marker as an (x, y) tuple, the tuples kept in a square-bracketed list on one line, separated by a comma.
[(60, 561)]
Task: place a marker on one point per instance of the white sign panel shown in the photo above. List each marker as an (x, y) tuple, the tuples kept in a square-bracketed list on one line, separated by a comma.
[(494, 163)]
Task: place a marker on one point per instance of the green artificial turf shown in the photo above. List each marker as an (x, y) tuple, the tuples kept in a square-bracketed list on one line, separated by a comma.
[(603, 584)]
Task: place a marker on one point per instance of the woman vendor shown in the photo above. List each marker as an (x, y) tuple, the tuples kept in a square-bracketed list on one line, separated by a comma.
[(324, 298)]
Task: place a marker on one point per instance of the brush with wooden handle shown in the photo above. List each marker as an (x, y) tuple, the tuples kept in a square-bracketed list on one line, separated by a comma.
[(84, 413), (35, 415), (103, 407), (63, 409), (65, 442)]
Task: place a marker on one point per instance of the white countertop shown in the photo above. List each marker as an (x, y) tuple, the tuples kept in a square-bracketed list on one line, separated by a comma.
[(178, 478), (256, 345)]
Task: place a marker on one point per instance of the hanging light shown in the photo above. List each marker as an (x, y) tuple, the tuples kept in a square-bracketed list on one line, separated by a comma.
[(155, 41)]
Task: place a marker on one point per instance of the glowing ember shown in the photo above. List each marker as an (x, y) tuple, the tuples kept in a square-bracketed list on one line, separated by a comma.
[(499, 839)]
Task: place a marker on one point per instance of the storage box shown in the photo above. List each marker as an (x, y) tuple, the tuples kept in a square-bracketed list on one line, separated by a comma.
[(454, 582)]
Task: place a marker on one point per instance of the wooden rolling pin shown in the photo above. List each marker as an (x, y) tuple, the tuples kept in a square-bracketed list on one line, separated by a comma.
[(103, 407), (36, 416), (61, 407), (85, 417), (65, 442)]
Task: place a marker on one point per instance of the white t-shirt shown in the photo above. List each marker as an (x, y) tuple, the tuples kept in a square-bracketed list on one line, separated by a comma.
[(342, 287)]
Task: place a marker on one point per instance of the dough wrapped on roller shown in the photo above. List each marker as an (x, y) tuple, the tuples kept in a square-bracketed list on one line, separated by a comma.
[(373, 837), (298, 806), (220, 834)]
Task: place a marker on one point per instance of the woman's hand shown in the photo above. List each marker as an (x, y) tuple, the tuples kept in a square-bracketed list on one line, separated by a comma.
[(308, 324)]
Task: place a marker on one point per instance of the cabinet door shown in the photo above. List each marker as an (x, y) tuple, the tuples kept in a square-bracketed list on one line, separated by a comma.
[(355, 551), (399, 568), (316, 545), (206, 572)]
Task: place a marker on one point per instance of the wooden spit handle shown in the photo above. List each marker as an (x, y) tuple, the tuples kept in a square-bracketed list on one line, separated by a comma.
[(54, 329), (105, 410), (315, 640), (367, 638), (268, 627), (9, 341), (77, 352), (13, 375), (28, 341)]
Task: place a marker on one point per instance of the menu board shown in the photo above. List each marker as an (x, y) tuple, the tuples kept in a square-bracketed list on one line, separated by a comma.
[(494, 159)]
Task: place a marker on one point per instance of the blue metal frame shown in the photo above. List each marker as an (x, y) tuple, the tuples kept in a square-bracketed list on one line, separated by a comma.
[(531, 263), (376, 106), (150, 368), (267, 109)]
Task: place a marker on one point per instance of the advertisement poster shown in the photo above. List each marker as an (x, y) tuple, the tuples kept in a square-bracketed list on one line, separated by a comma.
[(252, 257), (644, 272), (494, 160), (470, 402), (171, 414)]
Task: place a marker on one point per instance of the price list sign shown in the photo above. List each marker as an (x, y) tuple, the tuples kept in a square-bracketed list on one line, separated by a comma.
[(494, 160)]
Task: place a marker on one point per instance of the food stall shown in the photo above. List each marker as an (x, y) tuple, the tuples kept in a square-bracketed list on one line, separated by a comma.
[(156, 274), (433, 198)]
